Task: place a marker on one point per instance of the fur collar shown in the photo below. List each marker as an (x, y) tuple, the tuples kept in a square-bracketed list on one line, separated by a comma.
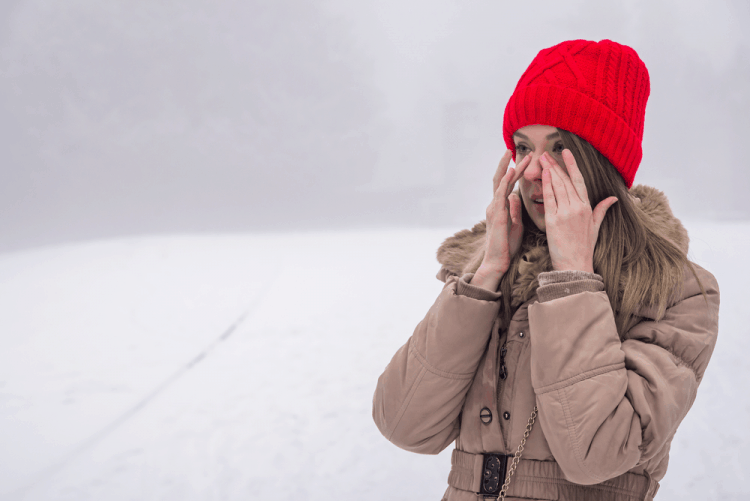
[(464, 251)]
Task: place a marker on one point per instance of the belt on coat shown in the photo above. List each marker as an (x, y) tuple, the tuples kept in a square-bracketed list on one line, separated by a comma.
[(545, 480)]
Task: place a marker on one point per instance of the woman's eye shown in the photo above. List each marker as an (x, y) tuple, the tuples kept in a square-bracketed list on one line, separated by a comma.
[(558, 148), (521, 149)]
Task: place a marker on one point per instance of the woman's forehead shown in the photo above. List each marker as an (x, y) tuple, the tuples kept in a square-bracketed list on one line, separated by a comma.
[(537, 132)]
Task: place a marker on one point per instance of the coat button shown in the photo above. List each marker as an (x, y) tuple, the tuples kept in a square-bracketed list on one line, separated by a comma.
[(486, 415), (520, 334), (506, 415)]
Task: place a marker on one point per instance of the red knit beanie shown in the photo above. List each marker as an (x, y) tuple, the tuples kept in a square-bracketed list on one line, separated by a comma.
[(597, 90)]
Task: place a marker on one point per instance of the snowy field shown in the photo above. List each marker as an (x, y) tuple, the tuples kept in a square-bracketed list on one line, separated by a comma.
[(242, 367)]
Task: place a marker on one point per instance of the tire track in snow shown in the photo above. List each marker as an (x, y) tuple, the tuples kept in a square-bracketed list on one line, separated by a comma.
[(49, 472)]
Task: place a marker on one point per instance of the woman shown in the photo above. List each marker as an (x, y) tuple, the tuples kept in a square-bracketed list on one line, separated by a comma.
[(572, 331)]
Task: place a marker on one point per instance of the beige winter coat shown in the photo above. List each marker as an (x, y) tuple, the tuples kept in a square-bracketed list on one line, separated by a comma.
[(609, 405)]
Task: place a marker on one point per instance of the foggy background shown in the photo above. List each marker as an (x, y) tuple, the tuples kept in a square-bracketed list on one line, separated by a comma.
[(123, 118), (172, 122)]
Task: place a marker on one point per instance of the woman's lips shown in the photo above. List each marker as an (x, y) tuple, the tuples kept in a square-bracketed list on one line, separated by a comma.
[(533, 197)]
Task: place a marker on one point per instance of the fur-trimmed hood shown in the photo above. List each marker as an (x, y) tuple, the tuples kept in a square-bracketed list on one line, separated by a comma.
[(464, 251)]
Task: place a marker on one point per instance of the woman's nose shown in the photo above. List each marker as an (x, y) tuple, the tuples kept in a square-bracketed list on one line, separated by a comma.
[(534, 171)]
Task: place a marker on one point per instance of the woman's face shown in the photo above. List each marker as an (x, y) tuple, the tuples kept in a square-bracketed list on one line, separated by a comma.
[(534, 140)]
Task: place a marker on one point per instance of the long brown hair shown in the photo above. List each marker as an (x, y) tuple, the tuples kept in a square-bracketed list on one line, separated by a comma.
[(640, 266)]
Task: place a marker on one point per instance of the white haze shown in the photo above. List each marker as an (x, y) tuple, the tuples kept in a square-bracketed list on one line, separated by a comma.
[(122, 118)]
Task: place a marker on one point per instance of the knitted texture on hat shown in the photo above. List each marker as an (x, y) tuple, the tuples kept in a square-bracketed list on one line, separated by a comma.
[(597, 90)]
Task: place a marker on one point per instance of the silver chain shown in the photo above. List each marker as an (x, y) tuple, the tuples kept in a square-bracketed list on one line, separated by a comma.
[(517, 456)]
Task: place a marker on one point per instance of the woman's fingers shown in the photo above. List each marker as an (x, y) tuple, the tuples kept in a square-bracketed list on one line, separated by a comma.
[(499, 202), (502, 167), (515, 235), (520, 169), (515, 208), (558, 180), (512, 174), (575, 175), (505, 183), (601, 210), (550, 204)]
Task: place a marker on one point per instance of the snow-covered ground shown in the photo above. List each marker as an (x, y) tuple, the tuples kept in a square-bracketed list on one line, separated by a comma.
[(242, 367)]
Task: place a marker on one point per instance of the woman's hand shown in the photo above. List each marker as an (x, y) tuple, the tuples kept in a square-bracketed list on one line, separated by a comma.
[(504, 226), (572, 227)]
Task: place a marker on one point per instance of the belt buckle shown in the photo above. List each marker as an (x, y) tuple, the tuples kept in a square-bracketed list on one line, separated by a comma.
[(493, 473)]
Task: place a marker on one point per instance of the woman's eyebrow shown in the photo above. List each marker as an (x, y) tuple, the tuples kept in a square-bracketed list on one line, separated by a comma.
[(554, 134)]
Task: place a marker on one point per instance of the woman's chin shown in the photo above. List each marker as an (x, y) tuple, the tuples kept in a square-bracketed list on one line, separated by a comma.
[(537, 215), (535, 212)]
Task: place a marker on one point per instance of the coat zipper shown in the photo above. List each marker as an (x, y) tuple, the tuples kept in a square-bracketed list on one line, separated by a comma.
[(503, 369), (503, 373)]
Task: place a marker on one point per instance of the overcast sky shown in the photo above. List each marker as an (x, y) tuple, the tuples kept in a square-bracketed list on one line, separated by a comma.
[(122, 118)]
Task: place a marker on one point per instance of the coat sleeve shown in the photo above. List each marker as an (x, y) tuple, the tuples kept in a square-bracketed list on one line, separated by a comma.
[(420, 394), (607, 405)]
